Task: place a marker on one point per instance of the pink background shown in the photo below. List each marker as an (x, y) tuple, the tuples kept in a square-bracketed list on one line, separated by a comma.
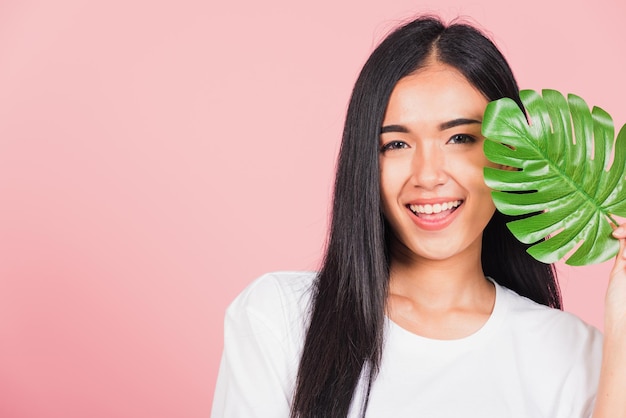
[(155, 157)]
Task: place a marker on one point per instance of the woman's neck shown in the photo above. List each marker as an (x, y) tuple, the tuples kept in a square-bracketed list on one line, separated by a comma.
[(442, 299)]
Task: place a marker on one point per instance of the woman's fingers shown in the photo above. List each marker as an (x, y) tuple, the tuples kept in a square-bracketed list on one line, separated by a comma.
[(615, 303), (620, 234)]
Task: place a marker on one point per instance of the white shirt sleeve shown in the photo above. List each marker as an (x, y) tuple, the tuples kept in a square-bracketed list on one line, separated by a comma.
[(578, 393), (259, 361)]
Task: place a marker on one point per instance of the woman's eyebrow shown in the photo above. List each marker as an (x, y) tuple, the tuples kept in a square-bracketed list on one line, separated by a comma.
[(394, 128), (442, 127), (457, 122)]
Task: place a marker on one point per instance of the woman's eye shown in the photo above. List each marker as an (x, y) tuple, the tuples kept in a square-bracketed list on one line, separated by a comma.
[(462, 139), (393, 145)]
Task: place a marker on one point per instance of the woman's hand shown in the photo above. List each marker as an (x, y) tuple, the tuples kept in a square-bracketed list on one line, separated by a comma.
[(610, 401), (615, 302)]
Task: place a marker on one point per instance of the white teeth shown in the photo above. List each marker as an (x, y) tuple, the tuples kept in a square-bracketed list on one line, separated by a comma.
[(436, 208)]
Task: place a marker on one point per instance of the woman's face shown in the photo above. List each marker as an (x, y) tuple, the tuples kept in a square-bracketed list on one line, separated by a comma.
[(431, 163)]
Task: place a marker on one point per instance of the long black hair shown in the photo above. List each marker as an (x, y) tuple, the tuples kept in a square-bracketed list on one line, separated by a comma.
[(344, 341)]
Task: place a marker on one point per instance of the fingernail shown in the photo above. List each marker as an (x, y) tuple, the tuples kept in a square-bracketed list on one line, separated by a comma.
[(619, 231)]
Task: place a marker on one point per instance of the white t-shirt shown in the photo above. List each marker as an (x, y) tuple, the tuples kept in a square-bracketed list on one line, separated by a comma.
[(527, 360)]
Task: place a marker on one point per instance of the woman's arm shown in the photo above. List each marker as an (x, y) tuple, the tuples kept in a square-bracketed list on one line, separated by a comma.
[(611, 398)]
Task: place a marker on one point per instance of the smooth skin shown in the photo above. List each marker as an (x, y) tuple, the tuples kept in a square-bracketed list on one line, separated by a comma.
[(432, 154), (436, 201), (611, 399)]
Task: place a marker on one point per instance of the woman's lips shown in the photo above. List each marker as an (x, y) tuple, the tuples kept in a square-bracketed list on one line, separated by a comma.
[(434, 216)]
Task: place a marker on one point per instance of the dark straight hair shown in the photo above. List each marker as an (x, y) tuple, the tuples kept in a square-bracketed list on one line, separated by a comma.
[(343, 344)]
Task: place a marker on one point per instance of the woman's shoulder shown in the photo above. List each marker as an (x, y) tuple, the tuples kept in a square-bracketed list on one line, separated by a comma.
[(282, 287), (263, 336), (548, 324), (275, 300), (555, 352)]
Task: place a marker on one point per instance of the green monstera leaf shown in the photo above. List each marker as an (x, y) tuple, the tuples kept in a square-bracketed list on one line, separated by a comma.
[(567, 176)]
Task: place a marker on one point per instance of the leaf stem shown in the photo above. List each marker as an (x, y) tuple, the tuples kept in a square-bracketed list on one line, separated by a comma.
[(613, 221)]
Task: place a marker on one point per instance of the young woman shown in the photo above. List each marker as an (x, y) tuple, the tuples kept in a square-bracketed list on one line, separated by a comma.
[(425, 304)]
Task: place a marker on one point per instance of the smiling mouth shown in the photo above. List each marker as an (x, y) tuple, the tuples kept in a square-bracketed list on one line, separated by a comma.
[(440, 209)]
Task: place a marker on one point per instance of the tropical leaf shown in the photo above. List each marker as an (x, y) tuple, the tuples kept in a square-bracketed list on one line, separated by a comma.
[(567, 177)]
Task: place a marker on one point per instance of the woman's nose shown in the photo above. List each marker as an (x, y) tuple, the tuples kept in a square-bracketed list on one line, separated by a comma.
[(428, 167)]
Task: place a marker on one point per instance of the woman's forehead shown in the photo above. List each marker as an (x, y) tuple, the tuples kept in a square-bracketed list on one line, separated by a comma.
[(435, 93)]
